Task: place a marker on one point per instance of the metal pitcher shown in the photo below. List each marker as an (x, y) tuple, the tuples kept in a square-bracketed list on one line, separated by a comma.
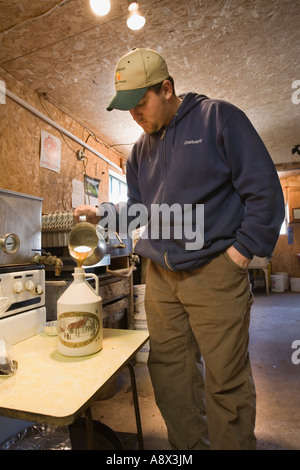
[(86, 245)]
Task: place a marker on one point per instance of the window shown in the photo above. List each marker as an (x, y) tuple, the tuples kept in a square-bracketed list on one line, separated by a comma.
[(283, 230), (117, 188)]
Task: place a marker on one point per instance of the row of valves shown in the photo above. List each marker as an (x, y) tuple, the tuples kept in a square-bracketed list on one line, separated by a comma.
[(29, 286), (57, 221)]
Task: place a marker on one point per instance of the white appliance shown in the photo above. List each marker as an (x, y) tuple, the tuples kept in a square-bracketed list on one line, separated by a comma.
[(22, 283), (25, 287)]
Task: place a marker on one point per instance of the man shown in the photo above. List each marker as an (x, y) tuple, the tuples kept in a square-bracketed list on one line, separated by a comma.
[(198, 152)]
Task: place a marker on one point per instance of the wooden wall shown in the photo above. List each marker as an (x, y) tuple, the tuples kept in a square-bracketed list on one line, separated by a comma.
[(20, 151)]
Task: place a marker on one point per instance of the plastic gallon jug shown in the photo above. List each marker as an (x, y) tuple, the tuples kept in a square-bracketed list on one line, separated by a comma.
[(79, 317)]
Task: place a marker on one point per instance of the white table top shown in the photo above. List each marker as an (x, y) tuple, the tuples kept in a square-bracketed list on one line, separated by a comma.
[(54, 389)]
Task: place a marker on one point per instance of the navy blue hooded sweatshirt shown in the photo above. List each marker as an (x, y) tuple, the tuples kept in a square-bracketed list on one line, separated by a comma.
[(208, 154)]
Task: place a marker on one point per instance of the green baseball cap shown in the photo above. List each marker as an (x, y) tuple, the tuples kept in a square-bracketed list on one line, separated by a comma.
[(135, 72)]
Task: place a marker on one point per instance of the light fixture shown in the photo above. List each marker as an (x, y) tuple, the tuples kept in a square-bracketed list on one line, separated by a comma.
[(100, 7), (135, 20)]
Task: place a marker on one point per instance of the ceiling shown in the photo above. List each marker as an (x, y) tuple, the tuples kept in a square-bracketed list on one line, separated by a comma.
[(241, 51)]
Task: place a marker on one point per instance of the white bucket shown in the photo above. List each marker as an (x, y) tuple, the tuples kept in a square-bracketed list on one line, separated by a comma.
[(295, 284), (277, 283), (138, 300), (140, 321), (286, 279)]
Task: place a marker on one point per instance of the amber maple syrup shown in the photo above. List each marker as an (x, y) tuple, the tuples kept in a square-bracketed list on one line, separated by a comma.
[(81, 254)]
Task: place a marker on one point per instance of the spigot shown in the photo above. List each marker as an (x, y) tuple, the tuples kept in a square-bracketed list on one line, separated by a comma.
[(50, 260)]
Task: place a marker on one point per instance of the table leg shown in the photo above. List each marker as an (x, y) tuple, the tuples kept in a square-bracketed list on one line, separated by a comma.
[(89, 423), (266, 272), (89, 429), (136, 406)]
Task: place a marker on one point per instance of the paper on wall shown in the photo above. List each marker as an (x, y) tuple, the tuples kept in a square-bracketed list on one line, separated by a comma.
[(50, 151), (77, 193)]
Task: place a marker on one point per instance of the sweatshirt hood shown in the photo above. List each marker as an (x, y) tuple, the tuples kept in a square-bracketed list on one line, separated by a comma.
[(189, 101)]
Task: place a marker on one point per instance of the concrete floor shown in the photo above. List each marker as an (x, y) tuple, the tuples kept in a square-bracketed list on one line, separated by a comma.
[(275, 324)]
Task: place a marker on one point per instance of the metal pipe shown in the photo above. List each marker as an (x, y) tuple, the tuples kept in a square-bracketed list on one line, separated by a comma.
[(58, 127), (121, 272), (51, 260)]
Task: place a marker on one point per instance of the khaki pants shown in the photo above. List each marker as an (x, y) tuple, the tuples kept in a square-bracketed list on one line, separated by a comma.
[(205, 314)]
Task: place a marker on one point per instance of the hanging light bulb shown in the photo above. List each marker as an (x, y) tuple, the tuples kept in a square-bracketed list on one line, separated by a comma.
[(135, 20), (100, 7)]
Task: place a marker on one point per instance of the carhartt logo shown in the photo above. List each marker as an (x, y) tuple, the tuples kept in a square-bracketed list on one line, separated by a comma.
[(190, 142)]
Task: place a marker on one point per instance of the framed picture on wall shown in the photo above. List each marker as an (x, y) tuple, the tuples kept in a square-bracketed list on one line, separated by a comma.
[(296, 214)]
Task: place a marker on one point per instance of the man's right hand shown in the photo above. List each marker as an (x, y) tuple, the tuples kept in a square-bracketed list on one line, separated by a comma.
[(90, 213)]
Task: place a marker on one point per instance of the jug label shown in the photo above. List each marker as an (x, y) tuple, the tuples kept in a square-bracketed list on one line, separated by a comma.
[(77, 329)]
